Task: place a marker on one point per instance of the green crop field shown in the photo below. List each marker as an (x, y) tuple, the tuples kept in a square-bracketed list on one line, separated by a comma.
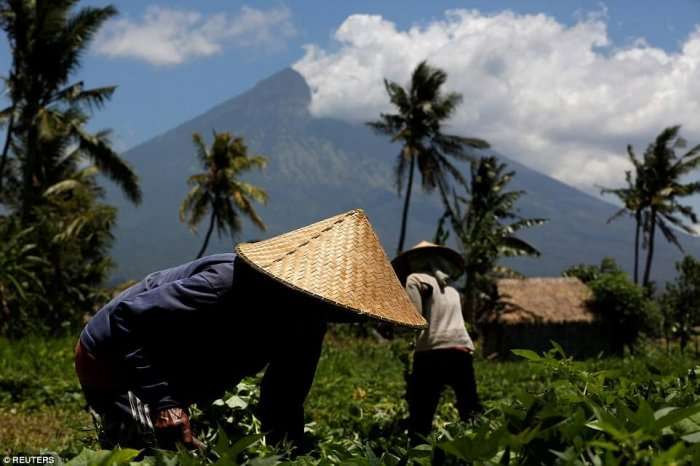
[(539, 410)]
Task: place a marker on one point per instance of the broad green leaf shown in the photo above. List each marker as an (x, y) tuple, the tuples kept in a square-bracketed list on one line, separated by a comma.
[(243, 444), (669, 418), (236, 402), (527, 354)]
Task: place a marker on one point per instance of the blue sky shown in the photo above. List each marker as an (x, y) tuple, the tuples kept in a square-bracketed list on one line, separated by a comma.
[(195, 54)]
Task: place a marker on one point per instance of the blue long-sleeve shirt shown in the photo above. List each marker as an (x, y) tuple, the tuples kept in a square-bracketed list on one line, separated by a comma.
[(181, 336)]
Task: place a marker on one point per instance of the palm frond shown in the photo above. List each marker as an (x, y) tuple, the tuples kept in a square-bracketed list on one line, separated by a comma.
[(97, 149), (525, 223), (194, 207), (93, 99), (248, 190), (511, 246), (617, 215), (668, 233), (398, 96), (201, 149)]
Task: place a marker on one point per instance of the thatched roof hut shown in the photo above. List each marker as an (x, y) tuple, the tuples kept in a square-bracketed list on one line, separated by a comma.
[(543, 301), (536, 310)]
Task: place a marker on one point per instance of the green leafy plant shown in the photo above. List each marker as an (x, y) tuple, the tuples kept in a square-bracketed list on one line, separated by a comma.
[(542, 409), (20, 286)]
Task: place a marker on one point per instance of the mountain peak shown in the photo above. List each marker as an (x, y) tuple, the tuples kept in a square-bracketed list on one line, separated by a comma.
[(284, 96), (286, 86), (285, 89)]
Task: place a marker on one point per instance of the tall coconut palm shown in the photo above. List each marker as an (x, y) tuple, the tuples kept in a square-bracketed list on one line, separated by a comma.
[(632, 199), (219, 190), (422, 110), (486, 223), (664, 172), (47, 39)]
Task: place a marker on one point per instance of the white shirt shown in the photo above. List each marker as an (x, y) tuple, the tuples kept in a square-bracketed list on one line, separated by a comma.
[(442, 308)]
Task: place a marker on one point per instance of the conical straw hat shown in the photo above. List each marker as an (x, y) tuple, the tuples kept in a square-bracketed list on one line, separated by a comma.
[(402, 262), (340, 261)]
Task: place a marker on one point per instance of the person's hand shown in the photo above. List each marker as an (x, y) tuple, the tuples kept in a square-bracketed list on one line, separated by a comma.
[(177, 422)]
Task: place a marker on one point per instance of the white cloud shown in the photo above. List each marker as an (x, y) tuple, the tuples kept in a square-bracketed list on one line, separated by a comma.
[(559, 98), (166, 36)]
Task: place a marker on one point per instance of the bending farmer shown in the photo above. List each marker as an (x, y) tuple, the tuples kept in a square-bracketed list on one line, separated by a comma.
[(186, 334)]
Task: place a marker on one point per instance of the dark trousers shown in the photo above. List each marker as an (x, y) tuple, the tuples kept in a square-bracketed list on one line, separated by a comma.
[(120, 417), (434, 370)]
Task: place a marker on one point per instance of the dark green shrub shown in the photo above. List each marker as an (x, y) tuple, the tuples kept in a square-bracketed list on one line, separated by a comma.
[(584, 272), (20, 286), (625, 306), (588, 273), (681, 302), (52, 273), (620, 302)]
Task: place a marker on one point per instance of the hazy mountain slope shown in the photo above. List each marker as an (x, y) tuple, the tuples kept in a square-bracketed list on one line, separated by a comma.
[(319, 167)]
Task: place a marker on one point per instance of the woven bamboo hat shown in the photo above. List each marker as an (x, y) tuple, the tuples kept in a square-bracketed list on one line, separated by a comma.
[(403, 262), (340, 261)]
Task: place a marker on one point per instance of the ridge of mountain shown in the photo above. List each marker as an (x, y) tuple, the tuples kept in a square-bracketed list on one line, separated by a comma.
[(319, 167)]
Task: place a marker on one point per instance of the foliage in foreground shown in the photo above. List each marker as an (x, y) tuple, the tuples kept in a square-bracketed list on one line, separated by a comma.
[(576, 414), (544, 410)]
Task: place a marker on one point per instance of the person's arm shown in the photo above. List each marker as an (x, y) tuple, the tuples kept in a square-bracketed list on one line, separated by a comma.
[(287, 382), (417, 291), (138, 320)]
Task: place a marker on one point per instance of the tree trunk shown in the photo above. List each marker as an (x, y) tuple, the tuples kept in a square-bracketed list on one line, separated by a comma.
[(407, 200), (650, 253), (470, 301), (638, 218), (6, 148), (206, 238), (30, 171)]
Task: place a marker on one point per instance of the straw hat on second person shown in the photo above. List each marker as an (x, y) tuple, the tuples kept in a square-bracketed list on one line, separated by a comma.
[(425, 249), (339, 261)]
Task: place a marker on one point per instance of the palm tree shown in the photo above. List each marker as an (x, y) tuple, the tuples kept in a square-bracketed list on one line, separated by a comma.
[(7, 118), (47, 112), (220, 190), (663, 174), (422, 109), (632, 199), (486, 224)]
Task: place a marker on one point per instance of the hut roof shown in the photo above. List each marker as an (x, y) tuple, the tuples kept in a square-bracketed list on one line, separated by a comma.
[(543, 300)]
